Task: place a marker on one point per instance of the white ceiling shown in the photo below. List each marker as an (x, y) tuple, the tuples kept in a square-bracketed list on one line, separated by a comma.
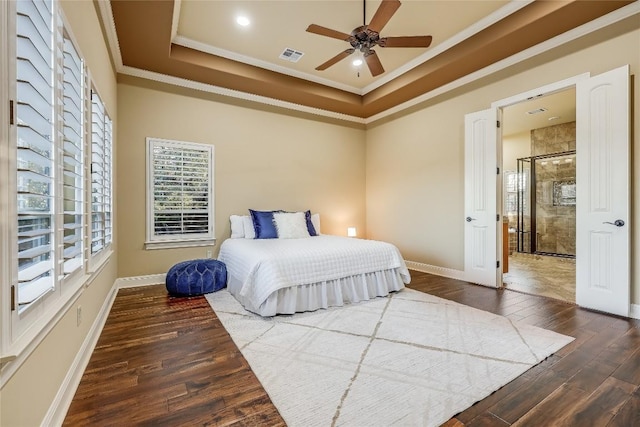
[(276, 25), (560, 108)]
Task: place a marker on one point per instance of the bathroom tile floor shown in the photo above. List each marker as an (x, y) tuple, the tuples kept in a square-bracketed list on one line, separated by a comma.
[(549, 276)]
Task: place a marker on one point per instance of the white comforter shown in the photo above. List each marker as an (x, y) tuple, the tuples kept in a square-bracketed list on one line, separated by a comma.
[(264, 266)]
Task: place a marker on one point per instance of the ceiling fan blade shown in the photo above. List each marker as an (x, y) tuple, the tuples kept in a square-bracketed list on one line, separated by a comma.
[(408, 41), (383, 15), (339, 57), (328, 32), (374, 64)]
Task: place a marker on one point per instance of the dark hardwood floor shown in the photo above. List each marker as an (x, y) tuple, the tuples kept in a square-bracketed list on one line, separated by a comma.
[(169, 361)]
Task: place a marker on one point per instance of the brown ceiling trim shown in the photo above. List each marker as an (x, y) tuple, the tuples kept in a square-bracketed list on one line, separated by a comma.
[(534, 24), (144, 34), (269, 84)]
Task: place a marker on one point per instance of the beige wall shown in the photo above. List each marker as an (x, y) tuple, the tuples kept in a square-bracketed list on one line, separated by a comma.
[(515, 147), (26, 397), (415, 163), (263, 160)]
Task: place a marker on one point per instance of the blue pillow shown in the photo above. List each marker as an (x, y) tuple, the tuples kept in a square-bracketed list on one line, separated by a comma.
[(310, 228), (263, 224)]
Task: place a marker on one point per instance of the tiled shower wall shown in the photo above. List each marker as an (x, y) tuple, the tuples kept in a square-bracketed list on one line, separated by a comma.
[(556, 222)]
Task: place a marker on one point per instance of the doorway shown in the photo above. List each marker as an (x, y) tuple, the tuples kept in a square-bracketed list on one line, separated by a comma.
[(539, 195), (602, 198)]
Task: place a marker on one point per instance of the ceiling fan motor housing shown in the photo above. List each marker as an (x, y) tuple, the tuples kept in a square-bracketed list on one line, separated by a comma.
[(364, 39)]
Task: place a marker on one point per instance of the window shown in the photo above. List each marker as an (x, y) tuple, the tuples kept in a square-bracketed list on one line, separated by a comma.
[(72, 161), (35, 150), (101, 229), (180, 194), (45, 215)]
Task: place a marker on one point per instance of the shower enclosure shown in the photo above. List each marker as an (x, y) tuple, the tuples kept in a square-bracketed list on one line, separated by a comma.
[(544, 194)]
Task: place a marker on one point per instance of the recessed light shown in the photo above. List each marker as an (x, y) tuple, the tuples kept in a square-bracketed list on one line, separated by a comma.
[(243, 21), (553, 118), (357, 62)]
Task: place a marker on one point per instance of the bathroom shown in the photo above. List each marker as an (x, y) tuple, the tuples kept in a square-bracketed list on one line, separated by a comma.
[(539, 152)]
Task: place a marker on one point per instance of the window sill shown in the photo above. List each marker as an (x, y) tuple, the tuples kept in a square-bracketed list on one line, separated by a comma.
[(172, 244), (18, 352)]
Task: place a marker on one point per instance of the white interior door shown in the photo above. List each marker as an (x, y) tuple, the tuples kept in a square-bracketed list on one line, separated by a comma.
[(602, 176), (480, 195)]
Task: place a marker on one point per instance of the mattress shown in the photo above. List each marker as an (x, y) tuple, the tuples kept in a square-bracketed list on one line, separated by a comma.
[(283, 276)]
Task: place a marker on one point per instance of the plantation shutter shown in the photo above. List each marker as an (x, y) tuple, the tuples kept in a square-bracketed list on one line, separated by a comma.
[(35, 149), (72, 159), (108, 154), (100, 175), (181, 186)]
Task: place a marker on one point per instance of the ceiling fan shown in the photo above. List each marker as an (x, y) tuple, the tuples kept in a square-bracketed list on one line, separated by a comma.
[(365, 37)]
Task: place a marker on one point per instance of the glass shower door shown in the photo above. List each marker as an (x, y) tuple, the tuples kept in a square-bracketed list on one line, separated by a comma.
[(555, 204)]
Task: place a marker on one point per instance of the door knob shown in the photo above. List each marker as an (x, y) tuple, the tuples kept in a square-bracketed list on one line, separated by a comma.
[(469, 219), (617, 223)]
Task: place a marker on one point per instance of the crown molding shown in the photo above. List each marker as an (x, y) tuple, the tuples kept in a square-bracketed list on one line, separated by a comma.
[(177, 81), (597, 24), (175, 19), (109, 24), (478, 26), (491, 19), (212, 50)]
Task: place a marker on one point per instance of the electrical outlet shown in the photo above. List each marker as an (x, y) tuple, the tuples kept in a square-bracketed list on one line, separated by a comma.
[(209, 254), (79, 315)]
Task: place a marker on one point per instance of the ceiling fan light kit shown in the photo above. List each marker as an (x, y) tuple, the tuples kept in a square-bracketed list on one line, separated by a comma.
[(366, 37)]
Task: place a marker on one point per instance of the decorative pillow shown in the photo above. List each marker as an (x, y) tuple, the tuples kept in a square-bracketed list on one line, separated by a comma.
[(291, 225), (310, 228), (263, 224), (249, 232), (237, 226), (315, 220)]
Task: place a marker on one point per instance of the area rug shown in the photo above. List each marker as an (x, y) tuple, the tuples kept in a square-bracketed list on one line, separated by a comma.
[(411, 359)]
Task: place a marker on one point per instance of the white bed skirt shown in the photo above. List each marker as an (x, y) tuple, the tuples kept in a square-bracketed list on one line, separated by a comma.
[(325, 294)]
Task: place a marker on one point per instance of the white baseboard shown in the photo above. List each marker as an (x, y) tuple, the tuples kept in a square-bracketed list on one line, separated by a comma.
[(438, 271), (634, 311), (132, 282), (60, 405)]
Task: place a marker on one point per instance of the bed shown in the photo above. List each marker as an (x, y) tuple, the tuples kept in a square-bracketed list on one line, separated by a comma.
[(285, 276)]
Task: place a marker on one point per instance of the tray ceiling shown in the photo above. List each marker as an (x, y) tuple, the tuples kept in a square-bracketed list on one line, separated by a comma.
[(199, 41)]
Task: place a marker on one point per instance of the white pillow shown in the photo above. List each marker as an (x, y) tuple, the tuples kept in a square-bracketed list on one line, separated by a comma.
[(237, 227), (315, 220), (291, 225), (249, 231)]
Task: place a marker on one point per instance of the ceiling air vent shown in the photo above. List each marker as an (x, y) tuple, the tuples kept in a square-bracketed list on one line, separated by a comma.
[(291, 55), (537, 111)]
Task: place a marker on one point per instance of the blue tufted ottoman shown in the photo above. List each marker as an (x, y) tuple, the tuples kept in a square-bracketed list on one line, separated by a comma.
[(196, 277)]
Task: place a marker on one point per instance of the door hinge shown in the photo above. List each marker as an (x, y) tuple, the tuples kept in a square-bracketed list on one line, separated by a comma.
[(498, 123), (497, 217), (498, 170), (497, 264), (13, 298), (11, 113)]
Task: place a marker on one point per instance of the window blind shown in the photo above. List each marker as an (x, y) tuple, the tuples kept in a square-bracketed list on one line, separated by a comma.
[(181, 184), (100, 175), (72, 159), (35, 150), (108, 154)]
